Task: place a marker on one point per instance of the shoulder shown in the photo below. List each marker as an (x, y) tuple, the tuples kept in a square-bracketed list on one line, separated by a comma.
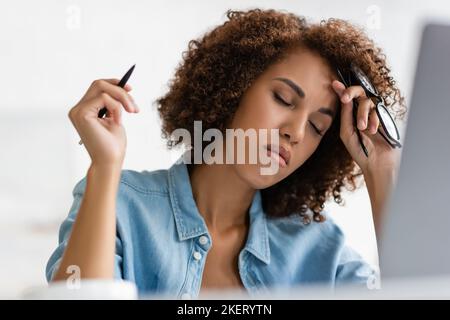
[(142, 202), (144, 182), (292, 229), (319, 244)]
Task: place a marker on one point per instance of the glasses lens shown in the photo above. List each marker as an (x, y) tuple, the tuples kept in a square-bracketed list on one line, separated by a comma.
[(388, 122)]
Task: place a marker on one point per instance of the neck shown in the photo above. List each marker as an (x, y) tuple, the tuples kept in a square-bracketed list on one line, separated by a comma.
[(222, 197)]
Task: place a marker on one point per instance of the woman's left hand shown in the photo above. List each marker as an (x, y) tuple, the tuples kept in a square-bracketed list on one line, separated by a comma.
[(382, 157), (380, 167)]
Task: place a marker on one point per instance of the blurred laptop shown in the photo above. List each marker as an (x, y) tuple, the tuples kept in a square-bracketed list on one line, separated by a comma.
[(416, 234)]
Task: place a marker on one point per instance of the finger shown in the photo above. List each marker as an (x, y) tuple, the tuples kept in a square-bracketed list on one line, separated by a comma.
[(338, 87), (100, 86), (113, 106), (89, 109), (374, 122), (364, 107), (115, 82), (353, 92), (97, 86), (346, 127), (120, 94)]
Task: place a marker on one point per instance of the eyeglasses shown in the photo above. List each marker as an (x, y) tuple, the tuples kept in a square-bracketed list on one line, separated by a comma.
[(388, 129)]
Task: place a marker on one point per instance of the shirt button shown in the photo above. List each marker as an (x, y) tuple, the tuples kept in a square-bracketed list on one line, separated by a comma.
[(197, 255), (203, 240), (185, 296)]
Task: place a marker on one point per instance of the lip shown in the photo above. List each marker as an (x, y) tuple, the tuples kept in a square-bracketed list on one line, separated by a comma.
[(283, 154)]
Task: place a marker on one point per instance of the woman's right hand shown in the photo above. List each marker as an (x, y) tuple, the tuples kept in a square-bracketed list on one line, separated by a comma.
[(104, 138)]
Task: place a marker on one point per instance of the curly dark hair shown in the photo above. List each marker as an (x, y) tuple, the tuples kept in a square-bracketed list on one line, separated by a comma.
[(220, 66)]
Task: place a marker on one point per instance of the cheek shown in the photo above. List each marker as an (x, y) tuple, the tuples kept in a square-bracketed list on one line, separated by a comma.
[(303, 152), (256, 111)]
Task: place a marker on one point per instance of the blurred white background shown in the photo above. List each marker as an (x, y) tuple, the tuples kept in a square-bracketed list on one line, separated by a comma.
[(51, 50)]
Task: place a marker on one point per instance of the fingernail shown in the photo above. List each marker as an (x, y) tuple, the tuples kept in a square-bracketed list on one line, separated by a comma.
[(135, 107), (374, 129), (361, 124), (345, 98)]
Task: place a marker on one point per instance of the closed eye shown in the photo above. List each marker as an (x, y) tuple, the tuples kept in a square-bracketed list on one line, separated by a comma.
[(281, 100), (316, 129)]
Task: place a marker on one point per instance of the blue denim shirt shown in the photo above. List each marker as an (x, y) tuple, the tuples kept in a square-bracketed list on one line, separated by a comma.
[(162, 241)]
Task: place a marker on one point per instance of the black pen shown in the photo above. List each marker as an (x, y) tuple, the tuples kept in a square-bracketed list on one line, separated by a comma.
[(121, 84)]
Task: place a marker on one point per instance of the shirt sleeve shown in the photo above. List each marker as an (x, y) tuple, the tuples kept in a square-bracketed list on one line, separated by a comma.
[(354, 270), (64, 234)]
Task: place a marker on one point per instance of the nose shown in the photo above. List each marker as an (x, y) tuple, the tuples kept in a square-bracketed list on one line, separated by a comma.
[(294, 131)]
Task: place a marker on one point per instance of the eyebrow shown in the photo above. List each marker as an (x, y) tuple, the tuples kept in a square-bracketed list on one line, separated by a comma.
[(299, 91), (293, 85), (327, 111)]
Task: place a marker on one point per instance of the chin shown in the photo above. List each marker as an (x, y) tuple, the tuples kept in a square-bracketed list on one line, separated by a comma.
[(251, 174)]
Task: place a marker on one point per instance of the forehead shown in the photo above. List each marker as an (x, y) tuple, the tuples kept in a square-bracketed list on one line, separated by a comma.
[(309, 70), (301, 60)]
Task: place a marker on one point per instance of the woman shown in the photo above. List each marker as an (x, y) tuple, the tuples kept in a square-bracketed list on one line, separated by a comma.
[(227, 225)]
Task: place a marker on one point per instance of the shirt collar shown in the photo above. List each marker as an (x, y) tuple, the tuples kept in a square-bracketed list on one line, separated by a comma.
[(190, 223)]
